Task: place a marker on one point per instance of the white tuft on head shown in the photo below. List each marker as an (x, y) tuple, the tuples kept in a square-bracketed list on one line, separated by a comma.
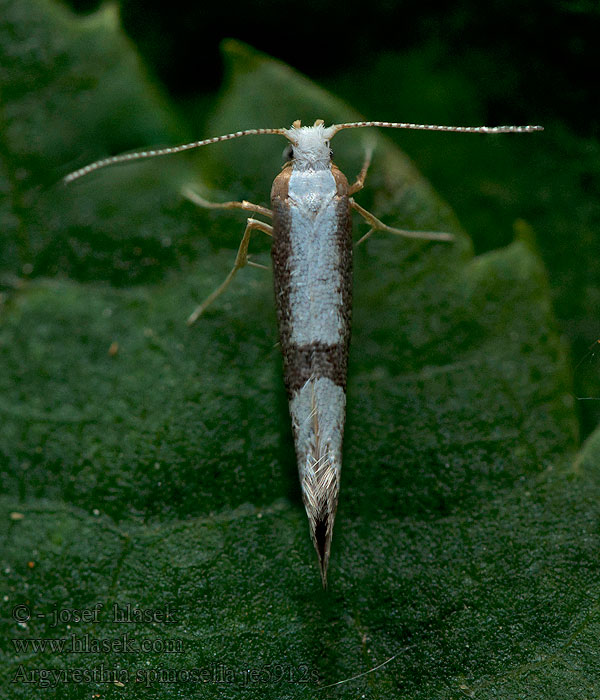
[(311, 145)]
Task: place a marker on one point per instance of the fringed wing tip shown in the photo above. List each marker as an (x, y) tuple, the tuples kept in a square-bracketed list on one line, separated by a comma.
[(321, 533)]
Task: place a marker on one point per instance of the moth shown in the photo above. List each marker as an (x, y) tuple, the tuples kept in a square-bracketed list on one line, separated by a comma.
[(311, 231)]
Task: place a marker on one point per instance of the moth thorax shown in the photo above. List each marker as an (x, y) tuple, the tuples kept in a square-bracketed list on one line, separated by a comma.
[(311, 146)]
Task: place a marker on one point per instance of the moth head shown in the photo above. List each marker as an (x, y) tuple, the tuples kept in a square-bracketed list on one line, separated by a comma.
[(310, 144)]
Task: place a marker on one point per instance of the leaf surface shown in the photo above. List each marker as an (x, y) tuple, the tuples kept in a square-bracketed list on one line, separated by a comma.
[(148, 464)]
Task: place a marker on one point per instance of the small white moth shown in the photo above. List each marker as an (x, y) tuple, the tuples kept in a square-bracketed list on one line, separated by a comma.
[(312, 269)]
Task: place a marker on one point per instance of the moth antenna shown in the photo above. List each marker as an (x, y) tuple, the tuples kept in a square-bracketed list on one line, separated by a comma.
[(152, 153), (435, 127)]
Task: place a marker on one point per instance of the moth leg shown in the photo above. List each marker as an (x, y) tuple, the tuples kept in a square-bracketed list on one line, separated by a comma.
[(240, 261), (377, 225), (360, 179), (194, 197)]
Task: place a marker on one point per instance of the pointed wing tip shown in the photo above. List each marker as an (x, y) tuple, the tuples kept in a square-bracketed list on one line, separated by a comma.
[(320, 500), (322, 532), (323, 576)]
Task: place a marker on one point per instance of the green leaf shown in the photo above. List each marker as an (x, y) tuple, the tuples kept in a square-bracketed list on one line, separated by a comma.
[(149, 464), (501, 186), (74, 90)]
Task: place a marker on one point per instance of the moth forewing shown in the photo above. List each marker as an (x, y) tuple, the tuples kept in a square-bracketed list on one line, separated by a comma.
[(312, 265), (312, 271)]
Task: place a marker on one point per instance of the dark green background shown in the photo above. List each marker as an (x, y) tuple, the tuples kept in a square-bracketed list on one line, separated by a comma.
[(440, 63), (163, 473)]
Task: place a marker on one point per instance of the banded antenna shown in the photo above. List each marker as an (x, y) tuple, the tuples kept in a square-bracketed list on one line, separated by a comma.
[(437, 127), (170, 150), (288, 133)]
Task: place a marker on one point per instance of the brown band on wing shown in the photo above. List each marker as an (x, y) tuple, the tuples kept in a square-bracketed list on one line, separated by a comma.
[(316, 361)]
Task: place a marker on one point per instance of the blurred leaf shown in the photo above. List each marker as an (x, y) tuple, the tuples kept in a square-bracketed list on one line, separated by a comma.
[(153, 464), (549, 180), (73, 90)]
